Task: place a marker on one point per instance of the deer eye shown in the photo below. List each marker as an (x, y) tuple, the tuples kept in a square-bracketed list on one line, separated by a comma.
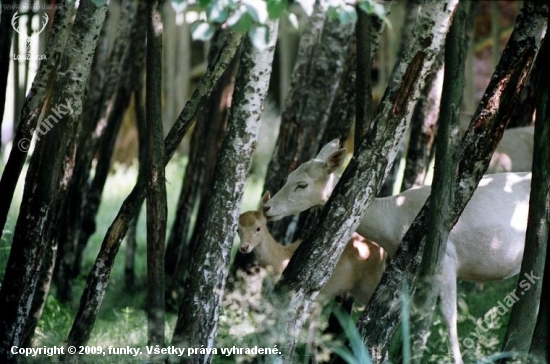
[(301, 185), (258, 228)]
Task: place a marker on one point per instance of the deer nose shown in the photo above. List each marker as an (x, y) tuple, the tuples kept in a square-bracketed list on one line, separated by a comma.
[(266, 208)]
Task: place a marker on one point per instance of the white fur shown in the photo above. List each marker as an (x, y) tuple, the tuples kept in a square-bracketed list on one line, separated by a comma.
[(486, 243)]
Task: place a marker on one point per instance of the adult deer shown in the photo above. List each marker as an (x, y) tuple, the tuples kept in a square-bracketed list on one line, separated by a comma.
[(357, 272), (486, 244)]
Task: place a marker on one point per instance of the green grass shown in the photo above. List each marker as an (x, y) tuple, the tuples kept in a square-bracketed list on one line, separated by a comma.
[(122, 320)]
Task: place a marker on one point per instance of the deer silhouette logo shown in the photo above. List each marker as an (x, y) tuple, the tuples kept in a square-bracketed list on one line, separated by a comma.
[(16, 27)]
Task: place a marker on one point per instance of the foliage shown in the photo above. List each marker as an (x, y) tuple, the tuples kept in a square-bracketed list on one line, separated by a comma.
[(252, 15)]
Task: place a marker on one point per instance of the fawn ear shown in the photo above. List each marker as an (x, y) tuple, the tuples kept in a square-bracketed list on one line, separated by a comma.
[(328, 149), (266, 197), (335, 160)]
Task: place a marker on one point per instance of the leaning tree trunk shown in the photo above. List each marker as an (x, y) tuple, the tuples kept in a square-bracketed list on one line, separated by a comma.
[(33, 105), (378, 323), (519, 332), (209, 130), (50, 166), (204, 288), (104, 135), (319, 66), (156, 184), (443, 187), (101, 104), (315, 258), (94, 291)]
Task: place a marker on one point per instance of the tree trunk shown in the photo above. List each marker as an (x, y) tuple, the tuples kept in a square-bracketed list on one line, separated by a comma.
[(50, 166), (156, 184), (481, 139), (319, 66), (522, 322), (540, 344), (106, 104), (125, 72), (363, 100), (443, 188), (98, 278), (198, 315), (33, 105), (209, 130), (313, 261), (6, 31)]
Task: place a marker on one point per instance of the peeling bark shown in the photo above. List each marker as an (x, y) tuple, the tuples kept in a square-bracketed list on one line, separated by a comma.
[(204, 288), (98, 277), (485, 132), (310, 266), (45, 184)]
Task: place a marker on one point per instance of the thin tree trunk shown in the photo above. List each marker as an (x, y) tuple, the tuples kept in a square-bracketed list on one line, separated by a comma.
[(6, 32), (443, 187), (199, 312), (50, 166), (33, 105), (519, 332), (107, 104), (363, 100), (156, 184), (98, 278), (312, 263), (131, 237), (103, 138), (485, 132), (40, 294), (540, 343), (209, 130), (318, 70)]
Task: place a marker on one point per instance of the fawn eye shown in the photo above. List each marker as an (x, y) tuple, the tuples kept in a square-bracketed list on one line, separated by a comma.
[(301, 185), (258, 228)]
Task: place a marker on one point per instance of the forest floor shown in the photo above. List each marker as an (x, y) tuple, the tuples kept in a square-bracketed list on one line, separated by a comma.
[(122, 320)]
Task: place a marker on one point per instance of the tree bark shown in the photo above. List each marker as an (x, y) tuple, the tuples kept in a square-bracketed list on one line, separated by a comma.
[(317, 72), (6, 31), (363, 100), (486, 128), (98, 278), (33, 105), (45, 188), (156, 184), (106, 104), (204, 288), (209, 130), (312, 263), (443, 187), (519, 332)]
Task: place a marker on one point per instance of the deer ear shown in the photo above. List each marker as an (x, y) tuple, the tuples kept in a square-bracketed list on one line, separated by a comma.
[(266, 197), (328, 149), (335, 160)]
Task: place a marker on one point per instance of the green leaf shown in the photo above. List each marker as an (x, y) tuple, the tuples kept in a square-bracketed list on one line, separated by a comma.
[(178, 5), (257, 9), (202, 30), (243, 24), (259, 36), (275, 8)]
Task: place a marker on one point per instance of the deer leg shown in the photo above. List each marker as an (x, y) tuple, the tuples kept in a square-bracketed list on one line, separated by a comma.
[(448, 297)]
